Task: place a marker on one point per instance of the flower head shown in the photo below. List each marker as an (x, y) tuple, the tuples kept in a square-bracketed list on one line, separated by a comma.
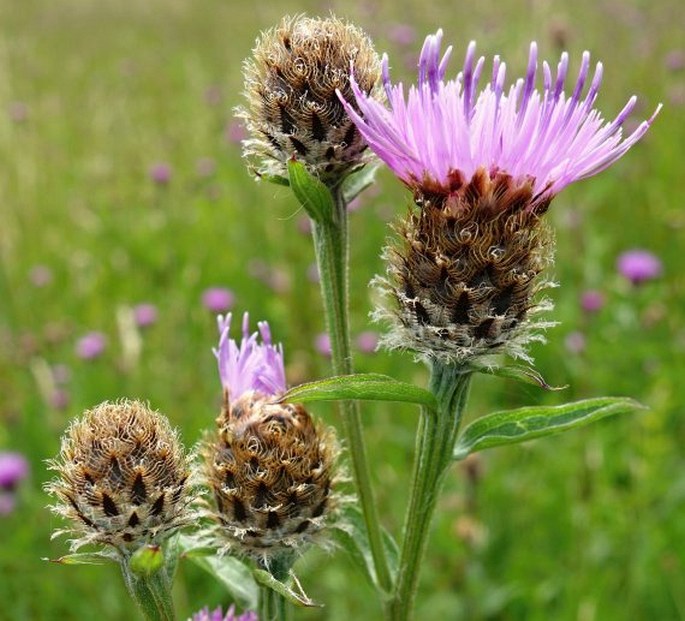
[(217, 615), (639, 266), (122, 477), (443, 132), (91, 345), (483, 167), (268, 465), (217, 299), (292, 108)]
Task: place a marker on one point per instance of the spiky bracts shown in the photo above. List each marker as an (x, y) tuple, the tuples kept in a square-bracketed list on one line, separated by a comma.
[(466, 271), (292, 107), (270, 471), (122, 477)]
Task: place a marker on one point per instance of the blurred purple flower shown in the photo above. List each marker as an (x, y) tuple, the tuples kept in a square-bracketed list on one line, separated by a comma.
[(14, 468), (217, 299), (675, 60), (145, 314), (367, 342), (592, 301), (7, 502), (402, 34), (217, 615), (639, 266), (59, 399), (322, 344), (160, 173), (205, 167), (235, 132), (251, 365), (91, 346), (575, 342), (40, 275)]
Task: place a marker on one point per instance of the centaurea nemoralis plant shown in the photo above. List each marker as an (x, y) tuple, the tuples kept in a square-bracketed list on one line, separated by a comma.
[(483, 167)]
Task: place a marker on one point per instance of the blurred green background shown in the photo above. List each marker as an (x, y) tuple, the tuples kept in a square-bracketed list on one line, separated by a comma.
[(589, 526)]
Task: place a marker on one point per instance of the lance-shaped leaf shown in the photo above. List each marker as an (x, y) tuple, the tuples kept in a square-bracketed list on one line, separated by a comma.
[(83, 558), (526, 423), (298, 598), (313, 195), (350, 533), (361, 387), (358, 181), (231, 572)]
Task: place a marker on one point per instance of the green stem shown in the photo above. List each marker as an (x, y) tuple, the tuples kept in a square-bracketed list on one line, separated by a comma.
[(272, 606), (151, 592), (436, 436), (331, 247)]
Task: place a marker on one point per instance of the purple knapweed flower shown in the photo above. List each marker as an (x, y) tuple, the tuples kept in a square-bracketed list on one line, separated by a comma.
[(592, 301), (367, 341), (442, 132), (145, 314), (639, 266), (251, 365), (160, 173), (91, 346), (218, 615), (14, 468), (217, 299), (322, 344)]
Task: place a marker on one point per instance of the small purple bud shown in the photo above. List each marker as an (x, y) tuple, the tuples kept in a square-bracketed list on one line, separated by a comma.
[(160, 173), (13, 468), (639, 266), (217, 299), (145, 314), (575, 342), (592, 301), (367, 342), (322, 344), (91, 346)]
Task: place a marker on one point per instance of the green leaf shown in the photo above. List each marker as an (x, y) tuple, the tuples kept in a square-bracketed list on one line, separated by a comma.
[(313, 195), (355, 183), (229, 571), (83, 558), (297, 598), (362, 387), (521, 373), (276, 179), (514, 426), (350, 533), (146, 560)]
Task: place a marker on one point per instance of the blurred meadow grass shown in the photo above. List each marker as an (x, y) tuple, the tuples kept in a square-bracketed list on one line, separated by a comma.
[(587, 526)]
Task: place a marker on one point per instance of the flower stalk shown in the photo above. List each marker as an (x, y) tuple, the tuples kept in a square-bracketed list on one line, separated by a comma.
[(151, 592), (331, 247), (436, 436)]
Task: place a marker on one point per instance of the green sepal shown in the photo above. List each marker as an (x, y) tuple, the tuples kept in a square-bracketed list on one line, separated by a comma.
[(514, 426), (276, 179), (356, 182), (360, 387), (312, 194), (83, 558), (297, 598), (146, 560), (521, 373), (235, 575), (350, 533)]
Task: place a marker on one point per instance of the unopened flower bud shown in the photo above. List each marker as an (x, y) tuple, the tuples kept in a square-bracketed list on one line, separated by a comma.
[(122, 477), (292, 106)]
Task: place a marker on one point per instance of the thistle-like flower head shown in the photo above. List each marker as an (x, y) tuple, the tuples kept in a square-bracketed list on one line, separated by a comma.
[(268, 465), (443, 132), (483, 167), (292, 108), (122, 477)]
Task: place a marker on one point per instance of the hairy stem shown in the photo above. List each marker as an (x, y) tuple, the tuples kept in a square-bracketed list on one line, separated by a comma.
[(331, 246), (435, 441), (273, 606), (152, 593)]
